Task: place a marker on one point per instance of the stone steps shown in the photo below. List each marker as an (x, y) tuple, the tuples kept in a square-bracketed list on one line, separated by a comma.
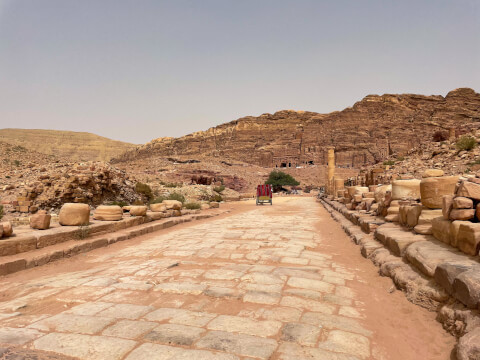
[(67, 247)]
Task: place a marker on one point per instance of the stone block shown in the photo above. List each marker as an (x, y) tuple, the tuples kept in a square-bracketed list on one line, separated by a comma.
[(477, 211), (172, 204), (447, 205), (413, 213), (138, 210), (72, 214), (468, 238), (466, 287), (40, 221), (454, 228), (441, 229), (462, 214), (446, 273), (468, 347), (7, 229), (359, 190), (18, 245), (406, 189), (160, 207), (380, 192), (108, 213), (357, 198), (461, 202), (469, 189), (432, 190), (214, 205), (368, 195), (432, 173)]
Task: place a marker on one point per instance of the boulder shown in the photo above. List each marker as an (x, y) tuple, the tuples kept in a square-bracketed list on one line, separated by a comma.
[(1, 231), (159, 207), (72, 214), (357, 198), (204, 206), (432, 190), (468, 238), (7, 228), (447, 205), (469, 189), (140, 210), (466, 287), (214, 205), (368, 195), (108, 213), (433, 173), (359, 190), (477, 211), (40, 221), (461, 202), (172, 204), (406, 189), (468, 347), (462, 214)]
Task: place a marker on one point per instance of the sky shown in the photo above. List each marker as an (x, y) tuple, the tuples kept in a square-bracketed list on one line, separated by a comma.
[(135, 70)]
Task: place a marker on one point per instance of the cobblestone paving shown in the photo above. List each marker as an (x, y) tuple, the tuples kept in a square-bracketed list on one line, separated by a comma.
[(250, 286)]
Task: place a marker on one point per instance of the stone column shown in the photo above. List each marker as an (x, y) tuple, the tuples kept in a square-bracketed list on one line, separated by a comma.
[(331, 171), (451, 134), (339, 187)]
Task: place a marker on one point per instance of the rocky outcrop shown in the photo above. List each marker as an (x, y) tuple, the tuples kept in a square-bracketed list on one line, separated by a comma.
[(76, 146), (366, 133)]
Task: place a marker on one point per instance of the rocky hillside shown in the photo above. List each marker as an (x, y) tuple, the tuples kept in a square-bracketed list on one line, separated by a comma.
[(76, 146), (366, 133)]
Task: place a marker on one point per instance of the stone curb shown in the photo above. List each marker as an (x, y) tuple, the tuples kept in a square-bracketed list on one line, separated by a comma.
[(423, 278), (69, 248)]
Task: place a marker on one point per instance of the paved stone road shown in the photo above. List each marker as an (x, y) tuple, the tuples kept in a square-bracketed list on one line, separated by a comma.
[(250, 286)]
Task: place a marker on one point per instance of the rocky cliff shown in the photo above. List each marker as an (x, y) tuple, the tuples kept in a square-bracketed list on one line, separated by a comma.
[(366, 133), (75, 146)]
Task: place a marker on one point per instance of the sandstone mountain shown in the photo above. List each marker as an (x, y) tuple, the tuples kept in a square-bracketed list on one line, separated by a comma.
[(366, 133), (76, 146)]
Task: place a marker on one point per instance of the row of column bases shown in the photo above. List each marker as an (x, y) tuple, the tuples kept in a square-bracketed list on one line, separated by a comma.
[(333, 184)]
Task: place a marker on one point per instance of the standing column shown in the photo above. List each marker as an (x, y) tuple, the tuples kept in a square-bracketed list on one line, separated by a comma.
[(331, 171)]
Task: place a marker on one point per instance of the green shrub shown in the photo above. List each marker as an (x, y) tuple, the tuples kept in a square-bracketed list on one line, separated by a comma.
[(216, 198), (1, 211), (176, 196), (82, 232), (466, 143), (144, 190), (400, 158), (389, 162), (172, 196), (173, 185), (278, 179), (192, 206), (219, 189), (16, 162)]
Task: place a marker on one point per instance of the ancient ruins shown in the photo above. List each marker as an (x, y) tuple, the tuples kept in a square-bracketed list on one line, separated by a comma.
[(160, 251)]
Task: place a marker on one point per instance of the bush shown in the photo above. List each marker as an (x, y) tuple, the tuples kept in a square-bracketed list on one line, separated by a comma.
[(82, 232), (440, 136), (176, 196), (216, 198), (389, 162), (172, 196), (144, 190), (278, 179), (400, 158), (16, 162), (192, 206), (1, 211), (466, 143), (219, 189)]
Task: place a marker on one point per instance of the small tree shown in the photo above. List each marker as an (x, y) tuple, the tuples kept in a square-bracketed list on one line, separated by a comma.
[(278, 179)]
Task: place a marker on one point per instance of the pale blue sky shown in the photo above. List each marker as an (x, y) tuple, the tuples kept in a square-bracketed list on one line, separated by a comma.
[(141, 69)]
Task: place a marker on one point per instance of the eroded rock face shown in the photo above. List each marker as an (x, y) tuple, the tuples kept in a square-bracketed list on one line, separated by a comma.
[(363, 134), (74, 214)]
